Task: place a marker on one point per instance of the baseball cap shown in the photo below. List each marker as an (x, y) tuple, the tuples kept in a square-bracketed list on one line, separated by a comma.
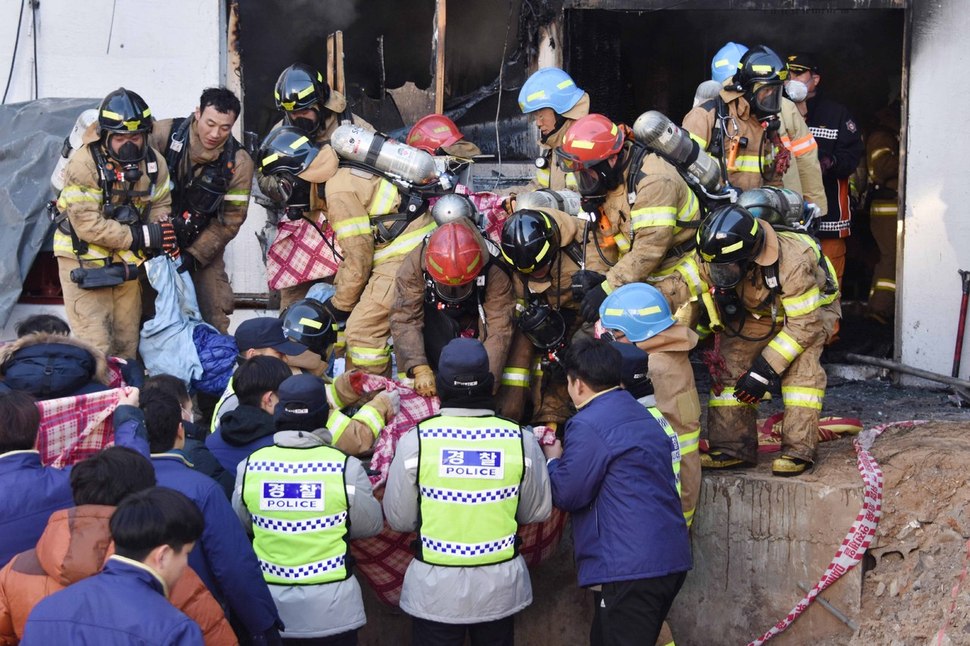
[(265, 332), (463, 364), (798, 63), (302, 403)]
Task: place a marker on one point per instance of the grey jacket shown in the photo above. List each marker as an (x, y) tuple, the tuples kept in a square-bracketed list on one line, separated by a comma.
[(462, 595), (331, 608)]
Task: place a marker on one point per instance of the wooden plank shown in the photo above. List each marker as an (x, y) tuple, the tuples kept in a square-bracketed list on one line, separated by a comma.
[(439, 55), (330, 59), (339, 80)]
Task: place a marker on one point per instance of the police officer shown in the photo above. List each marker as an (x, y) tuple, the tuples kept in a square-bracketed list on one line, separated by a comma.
[(449, 287), (114, 211), (464, 480), (212, 175), (777, 296), (304, 500), (551, 96), (637, 313)]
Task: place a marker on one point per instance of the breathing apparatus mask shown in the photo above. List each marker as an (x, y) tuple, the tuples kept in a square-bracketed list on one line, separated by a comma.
[(544, 327), (306, 124), (206, 191), (598, 179), (297, 195), (765, 99)]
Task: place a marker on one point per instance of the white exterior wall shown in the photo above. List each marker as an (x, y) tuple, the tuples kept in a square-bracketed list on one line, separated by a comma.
[(937, 211)]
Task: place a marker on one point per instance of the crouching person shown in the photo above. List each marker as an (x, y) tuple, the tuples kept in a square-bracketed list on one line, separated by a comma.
[(304, 500), (464, 479), (154, 530)]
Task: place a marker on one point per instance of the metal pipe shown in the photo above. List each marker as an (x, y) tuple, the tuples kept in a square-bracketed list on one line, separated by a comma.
[(838, 614), (909, 370)]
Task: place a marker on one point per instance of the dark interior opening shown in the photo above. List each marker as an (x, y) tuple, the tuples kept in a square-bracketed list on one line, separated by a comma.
[(630, 62)]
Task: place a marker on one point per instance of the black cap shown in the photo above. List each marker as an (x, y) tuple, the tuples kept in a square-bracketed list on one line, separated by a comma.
[(633, 369), (799, 63), (302, 403), (463, 364), (265, 332)]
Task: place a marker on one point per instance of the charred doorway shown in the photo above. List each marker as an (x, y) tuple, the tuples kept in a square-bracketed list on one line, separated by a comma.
[(632, 61)]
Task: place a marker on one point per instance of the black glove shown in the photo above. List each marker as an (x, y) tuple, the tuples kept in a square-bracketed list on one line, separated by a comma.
[(189, 263), (753, 384), (158, 236), (583, 281), (590, 307), (339, 315)]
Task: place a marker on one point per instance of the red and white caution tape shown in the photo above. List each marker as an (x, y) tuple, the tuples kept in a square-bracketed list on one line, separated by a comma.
[(860, 535)]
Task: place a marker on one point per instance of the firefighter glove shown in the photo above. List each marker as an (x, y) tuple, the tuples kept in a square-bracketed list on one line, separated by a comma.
[(339, 316), (590, 308), (584, 281), (424, 381), (753, 384), (393, 398), (159, 236)]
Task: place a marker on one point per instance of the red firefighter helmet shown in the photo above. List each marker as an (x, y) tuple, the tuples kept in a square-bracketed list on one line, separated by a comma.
[(454, 254), (433, 132), (589, 141)]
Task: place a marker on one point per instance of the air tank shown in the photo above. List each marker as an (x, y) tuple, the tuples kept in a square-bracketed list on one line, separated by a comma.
[(356, 144), (568, 201), (71, 143), (656, 131)]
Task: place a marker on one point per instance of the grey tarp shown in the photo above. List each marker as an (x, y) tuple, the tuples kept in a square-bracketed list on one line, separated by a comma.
[(31, 136)]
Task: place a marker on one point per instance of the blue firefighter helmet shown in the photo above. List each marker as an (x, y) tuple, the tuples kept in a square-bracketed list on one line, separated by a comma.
[(725, 61), (549, 87), (638, 310)]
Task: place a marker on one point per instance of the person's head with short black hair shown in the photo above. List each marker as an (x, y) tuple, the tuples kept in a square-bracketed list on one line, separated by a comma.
[(20, 421), (257, 378), (158, 527), (108, 476), (47, 323), (163, 419), (173, 386), (220, 98), (594, 362)]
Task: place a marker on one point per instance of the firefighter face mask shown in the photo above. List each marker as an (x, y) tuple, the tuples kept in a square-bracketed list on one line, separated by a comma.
[(126, 148), (453, 294), (727, 274), (765, 99), (599, 179), (306, 120)]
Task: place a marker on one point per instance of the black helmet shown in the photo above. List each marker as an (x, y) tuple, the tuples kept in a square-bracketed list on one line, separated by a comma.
[(307, 322), (728, 241), (124, 111), (300, 87), (761, 73), (530, 240), (285, 149)]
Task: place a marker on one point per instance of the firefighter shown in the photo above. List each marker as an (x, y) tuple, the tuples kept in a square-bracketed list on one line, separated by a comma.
[(801, 176), (464, 480), (638, 197), (310, 105), (882, 161), (544, 247), (840, 150), (114, 212), (449, 287), (211, 177), (778, 299), (376, 230), (755, 132), (638, 313), (552, 97)]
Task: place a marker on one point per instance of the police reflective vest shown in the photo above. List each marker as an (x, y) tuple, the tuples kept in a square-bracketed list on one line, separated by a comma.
[(298, 501), (672, 438), (469, 476)]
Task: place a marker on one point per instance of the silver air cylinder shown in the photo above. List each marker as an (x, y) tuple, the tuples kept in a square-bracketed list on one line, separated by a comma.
[(356, 144), (777, 206), (568, 201), (74, 141), (656, 131)]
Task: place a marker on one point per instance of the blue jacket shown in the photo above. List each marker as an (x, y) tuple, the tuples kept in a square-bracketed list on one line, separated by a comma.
[(31, 492), (241, 432), (49, 366), (223, 558), (124, 604), (616, 479)]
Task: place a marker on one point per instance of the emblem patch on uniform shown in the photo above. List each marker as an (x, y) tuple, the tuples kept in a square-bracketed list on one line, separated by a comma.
[(152, 167), (291, 496), (850, 125), (463, 463)]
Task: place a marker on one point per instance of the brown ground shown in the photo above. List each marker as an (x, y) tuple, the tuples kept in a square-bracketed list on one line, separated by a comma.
[(921, 546)]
